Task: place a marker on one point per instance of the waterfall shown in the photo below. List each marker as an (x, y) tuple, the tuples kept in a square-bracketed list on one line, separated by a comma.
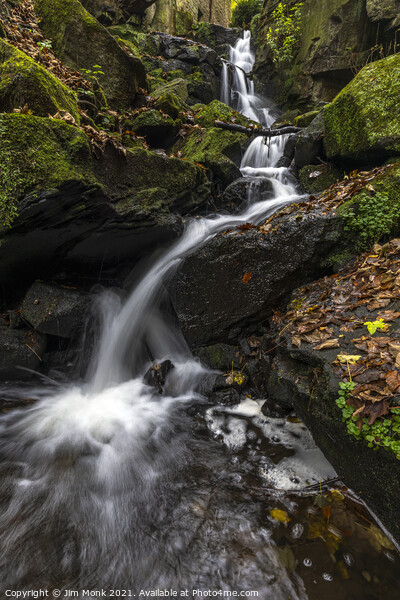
[(87, 498)]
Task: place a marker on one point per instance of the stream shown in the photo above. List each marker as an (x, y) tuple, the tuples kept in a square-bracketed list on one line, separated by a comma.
[(108, 486)]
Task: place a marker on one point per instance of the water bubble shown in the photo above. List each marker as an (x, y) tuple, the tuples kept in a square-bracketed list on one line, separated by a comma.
[(307, 562), (297, 530), (348, 559), (327, 577)]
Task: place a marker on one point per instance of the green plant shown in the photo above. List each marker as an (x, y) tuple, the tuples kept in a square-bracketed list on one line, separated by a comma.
[(92, 74), (370, 216), (283, 34), (244, 11), (45, 44), (373, 326)]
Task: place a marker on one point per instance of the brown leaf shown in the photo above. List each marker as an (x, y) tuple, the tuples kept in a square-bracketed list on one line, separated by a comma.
[(296, 341), (246, 277), (393, 380), (333, 343)]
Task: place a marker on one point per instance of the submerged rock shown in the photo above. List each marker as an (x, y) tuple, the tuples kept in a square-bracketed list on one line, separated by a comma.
[(156, 376), (55, 309), (240, 191), (363, 122), (228, 397)]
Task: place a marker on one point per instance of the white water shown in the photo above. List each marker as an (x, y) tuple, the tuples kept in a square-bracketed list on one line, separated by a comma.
[(87, 468)]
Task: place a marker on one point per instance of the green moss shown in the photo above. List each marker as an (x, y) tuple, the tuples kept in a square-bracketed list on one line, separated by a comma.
[(81, 42), (3, 33), (206, 115), (35, 154), (159, 129), (317, 178), (306, 119), (183, 22), (126, 44), (178, 87), (363, 121), (24, 82), (374, 213), (143, 41)]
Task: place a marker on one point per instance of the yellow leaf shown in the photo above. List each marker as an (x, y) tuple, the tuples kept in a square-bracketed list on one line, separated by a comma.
[(348, 358), (280, 515)]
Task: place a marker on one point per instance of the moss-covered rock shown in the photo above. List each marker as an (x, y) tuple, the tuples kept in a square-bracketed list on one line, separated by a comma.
[(374, 212), (38, 153), (206, 115), (159, 129), (306, 119), (82, 43), (128, 46), (24, 82), (363, 122), (317, 178), (171, 97), (146, 43), (183, 22)]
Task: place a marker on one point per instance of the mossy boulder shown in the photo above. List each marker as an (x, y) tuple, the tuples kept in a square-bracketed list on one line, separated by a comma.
[(128, 46), (146, 43), (36, 154), (206, 115), (158, 128), (363, 122), (82, 42), (171, 97), (60, 205), (317, 178), (24, 82), (306, 119)]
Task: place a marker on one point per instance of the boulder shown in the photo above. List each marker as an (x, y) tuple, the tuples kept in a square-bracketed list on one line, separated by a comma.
[(160, 130), (240, 276), (317, 178), (171, 97), (363, 122), (82, 42), (215, 36), (220, 357), (55, 309), (71, 207), (25, 83), (19, 348), (383, 10), (309, 146), (228, 397), (257, 189)]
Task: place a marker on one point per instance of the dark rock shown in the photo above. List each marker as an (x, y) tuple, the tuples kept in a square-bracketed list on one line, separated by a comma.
[(157, 375), (309, 146), (240, 190), (284, 161), (55, 309), (19, 348), (228, 397), (219, 356), (317, 178), (82, 42), (290, 146), (210, 294), (214, 36), (258, 372), (159, 130), (305, 378)]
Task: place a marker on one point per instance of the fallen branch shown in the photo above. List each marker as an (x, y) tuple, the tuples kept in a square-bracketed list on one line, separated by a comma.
[(262, 132)]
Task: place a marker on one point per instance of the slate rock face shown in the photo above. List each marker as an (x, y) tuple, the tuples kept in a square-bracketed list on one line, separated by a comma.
[(241, 275), (55, 309)]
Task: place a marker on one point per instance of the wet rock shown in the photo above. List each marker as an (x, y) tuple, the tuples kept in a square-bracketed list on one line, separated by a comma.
[(76, 209), (290, 146), (55, 309), (19, 348), (309, 146), (258, 372), (317, 178), (240, 276), (219, 356), (240, 190), (159, 130), (228, 397), (157, 375), (215, 36), (82, 42)]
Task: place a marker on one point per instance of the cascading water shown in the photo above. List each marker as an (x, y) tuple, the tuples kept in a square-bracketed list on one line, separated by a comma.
[(109, 486)]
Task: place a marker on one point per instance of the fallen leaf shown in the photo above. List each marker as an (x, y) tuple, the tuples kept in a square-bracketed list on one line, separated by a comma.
[(333, 343), (246, 277), (280, 515)]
